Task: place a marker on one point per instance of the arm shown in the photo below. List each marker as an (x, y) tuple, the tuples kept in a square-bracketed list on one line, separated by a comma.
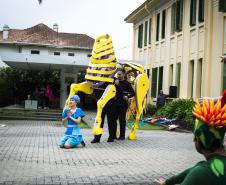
[(200, 175), (65, 116), (64, 119), (76, 120), (130, 90), (177, 179)]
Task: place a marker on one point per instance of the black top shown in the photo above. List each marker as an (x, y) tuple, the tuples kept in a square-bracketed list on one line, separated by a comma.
[(124, 88)]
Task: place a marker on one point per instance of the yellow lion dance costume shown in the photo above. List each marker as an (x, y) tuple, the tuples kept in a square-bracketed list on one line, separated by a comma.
[(102, 69)]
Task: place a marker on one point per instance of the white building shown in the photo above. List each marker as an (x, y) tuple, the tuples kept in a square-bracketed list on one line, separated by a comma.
[(43, 48), (181, 42)]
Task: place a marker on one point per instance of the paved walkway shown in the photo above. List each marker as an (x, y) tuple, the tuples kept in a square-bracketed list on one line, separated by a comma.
[(29, 154)]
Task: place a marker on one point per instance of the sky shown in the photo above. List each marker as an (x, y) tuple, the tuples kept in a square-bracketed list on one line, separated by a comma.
[(91, 17)]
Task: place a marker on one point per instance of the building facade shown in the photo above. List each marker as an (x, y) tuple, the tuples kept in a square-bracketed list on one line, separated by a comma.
[(181, 42), (44, 48)]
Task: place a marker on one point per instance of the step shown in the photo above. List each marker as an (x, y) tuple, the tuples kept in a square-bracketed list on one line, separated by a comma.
[(33, 110), (29, 118)]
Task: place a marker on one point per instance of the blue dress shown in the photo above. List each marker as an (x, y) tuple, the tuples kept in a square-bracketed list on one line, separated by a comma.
[(73, 134)]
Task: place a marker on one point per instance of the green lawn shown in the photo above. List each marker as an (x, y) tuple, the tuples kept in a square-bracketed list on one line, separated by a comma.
[(147, 126), (17, 113)]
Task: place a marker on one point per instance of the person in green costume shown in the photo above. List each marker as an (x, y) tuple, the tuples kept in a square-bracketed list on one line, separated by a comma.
[(209, 131)]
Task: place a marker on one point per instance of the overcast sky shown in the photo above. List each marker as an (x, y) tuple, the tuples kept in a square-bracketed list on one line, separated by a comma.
[(91, 17)]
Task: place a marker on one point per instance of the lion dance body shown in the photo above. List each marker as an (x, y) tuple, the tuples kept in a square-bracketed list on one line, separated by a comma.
[(101, 70)]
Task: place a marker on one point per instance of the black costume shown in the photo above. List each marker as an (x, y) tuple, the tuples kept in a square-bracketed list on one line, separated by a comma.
[(124, 88)]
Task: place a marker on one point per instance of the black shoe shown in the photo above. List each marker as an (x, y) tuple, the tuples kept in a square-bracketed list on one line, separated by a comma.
[(96, 139), (121, 138), (61, 146), (110, 140), (83, 144)]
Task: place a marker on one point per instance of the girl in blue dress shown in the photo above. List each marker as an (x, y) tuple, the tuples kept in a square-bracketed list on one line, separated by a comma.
[(73, 115)]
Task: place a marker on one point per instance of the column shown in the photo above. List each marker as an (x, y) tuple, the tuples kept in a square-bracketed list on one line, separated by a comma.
[(63, 92)]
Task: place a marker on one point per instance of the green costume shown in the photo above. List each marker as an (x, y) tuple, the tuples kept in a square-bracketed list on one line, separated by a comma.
[(210, 172), (209, 128)]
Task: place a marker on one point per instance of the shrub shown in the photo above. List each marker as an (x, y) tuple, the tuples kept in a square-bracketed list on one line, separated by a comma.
[(178, 109), (151, 109)]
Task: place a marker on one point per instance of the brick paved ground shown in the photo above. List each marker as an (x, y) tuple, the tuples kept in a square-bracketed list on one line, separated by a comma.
[(29, 154)]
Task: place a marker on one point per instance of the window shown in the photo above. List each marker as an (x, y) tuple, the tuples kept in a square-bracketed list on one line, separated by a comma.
[(201, 10), (178, 78), (57, 53), (154, 82), (148, 72), (20, 49), (222, 5), (37, 52), (171, 75), (140, 36), (160, 80), (193, 13), (225, 31), (191, 77), (163, 23), (199, 79), (146, 33), (149, 37), (173, 18), (224, 77), (71, 54), (157, 26), (177, 16)]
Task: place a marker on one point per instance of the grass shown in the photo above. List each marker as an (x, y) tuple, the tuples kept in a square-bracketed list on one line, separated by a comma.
[(146, 126), (17, 113)]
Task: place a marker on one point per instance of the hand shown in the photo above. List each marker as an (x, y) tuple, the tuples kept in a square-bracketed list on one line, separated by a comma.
[(69, 114), (125, 98), (160, 182), (116, 82)]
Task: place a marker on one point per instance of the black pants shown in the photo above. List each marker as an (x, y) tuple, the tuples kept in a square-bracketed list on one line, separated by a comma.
[(109, 110), (121, 110)]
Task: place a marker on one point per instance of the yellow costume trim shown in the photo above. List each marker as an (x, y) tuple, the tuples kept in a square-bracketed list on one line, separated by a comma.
[(98, 78), (111, 65), (102, 61), (100, 72)]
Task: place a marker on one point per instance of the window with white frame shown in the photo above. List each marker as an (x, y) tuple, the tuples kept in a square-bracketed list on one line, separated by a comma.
[(140, 36)]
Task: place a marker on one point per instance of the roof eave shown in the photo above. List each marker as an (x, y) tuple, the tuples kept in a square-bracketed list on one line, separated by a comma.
[(43, 45), (141, 10)]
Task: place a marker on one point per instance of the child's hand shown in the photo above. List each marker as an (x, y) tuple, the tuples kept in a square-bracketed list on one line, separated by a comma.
[(160, 182), (69, 113)]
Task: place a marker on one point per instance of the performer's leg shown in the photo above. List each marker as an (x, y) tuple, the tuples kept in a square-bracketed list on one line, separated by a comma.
[(108, 94), (96, 138), (122, 122), (111, 116)]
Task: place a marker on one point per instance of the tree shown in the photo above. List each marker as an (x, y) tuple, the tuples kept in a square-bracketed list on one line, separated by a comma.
[(16, 84)]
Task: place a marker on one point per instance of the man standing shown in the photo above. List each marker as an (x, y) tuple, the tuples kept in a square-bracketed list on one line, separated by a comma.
[(124, 91), (161, 99)]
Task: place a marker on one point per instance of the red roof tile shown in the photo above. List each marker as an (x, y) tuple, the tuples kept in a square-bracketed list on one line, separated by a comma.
[(42, 34)]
